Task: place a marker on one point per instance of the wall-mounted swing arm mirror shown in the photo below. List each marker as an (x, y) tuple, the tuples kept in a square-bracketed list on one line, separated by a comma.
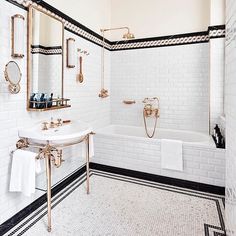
[(45, 62), (13, 76)]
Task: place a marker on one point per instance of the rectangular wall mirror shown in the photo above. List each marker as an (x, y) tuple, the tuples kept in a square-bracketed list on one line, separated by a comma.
[(45, 62)]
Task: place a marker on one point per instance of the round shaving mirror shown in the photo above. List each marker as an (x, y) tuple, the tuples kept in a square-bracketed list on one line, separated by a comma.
[(13, 76)]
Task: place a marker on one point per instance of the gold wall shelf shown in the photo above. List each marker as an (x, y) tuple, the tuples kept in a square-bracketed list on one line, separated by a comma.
[(57, 104), (129, 102)]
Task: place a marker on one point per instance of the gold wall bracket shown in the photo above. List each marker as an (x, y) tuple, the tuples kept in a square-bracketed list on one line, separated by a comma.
[(103, 93)]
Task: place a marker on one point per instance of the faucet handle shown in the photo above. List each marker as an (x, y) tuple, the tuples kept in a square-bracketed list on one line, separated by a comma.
[(59, 123), (45, 126)]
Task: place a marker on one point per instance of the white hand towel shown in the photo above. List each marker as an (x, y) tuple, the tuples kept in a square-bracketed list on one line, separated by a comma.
[(91, 147), (38, 168), (171, 154), (23, 172)]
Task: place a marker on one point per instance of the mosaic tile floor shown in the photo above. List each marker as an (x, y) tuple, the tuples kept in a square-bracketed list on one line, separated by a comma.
[(119, 205)]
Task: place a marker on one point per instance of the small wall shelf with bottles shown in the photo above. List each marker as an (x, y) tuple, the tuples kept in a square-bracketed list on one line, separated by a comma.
[(54, 104)]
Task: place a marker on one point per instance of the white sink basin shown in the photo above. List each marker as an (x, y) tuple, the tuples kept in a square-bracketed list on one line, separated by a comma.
[(62, 134)]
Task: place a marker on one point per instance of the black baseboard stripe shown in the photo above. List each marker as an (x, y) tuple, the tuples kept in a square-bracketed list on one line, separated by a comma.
[(21, 215), (161, 179)]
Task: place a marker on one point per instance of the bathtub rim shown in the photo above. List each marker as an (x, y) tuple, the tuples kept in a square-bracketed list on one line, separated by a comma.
[(207, 144)]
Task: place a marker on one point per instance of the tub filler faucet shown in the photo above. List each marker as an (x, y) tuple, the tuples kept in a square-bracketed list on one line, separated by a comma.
[(151, 110)]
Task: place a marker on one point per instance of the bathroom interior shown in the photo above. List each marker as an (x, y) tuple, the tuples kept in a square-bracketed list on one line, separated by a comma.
[(118, 117)]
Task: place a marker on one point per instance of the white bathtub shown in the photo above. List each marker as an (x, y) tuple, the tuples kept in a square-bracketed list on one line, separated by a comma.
[(128, 147), (139, 132)]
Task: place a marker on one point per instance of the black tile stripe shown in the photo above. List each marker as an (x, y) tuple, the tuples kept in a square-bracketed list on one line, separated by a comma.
[(161, 179), (213, 32), (21, 215), (39, 49), (60, 197), (9, 224), (43, 210)]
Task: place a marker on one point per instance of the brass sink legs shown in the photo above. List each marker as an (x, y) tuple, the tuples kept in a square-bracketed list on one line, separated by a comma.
[(53, 155), (48, 155), (87, 162), (49, 200)]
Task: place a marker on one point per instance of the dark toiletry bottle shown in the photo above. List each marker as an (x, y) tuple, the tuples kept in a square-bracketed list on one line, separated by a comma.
[(42, 102), (216, 130), (50, 101), (37, 99), (32, 99), (219, 140)]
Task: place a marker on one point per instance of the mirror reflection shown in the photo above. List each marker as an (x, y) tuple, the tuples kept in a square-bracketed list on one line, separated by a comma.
[(45, 61)]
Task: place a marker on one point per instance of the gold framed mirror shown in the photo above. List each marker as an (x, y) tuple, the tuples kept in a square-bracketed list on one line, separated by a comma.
[(45, 64), (13, 76)]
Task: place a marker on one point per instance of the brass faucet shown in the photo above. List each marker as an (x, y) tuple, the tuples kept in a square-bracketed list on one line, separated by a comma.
[(52, 124)]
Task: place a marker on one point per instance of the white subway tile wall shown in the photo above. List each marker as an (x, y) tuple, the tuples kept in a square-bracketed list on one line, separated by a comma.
[(202, 164), (178, 75), (13, 115), (230, 103), (217, 57)]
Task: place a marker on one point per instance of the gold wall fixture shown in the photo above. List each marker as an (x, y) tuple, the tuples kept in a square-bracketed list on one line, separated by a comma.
[(13, 76), (17, 36), (70, 49), (151, 110), (104, 92), (53, 155), (129, 102), (84, 52)]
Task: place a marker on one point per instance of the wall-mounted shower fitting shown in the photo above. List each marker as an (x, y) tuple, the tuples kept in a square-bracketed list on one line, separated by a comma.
[(104, 92), (151, 109)]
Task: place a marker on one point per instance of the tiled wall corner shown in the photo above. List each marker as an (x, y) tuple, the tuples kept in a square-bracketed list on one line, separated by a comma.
[(217, 57), (230, 103)]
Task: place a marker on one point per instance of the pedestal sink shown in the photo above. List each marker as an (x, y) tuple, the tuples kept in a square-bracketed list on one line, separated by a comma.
[(60, 135), (50, 143)]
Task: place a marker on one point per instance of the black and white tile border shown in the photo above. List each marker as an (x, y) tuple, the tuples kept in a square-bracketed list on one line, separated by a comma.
[(34, 217), (39, 49), (75, 27)]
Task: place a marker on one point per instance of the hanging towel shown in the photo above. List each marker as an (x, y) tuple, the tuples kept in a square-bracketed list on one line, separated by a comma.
[(171, 154), (91, 147), (23, 172)]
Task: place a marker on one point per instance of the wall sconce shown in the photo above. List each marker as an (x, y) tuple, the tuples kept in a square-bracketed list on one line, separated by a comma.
[(17, 36), (70, 62)]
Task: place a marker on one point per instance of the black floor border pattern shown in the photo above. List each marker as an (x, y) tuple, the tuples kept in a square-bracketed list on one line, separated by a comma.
[(43, 211), (186, 192), (76, 184), (10, 223), (207, 188), (21, 215)]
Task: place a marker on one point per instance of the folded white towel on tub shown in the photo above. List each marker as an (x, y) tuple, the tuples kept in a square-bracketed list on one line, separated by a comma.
[(172, 154), (23, 172)]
